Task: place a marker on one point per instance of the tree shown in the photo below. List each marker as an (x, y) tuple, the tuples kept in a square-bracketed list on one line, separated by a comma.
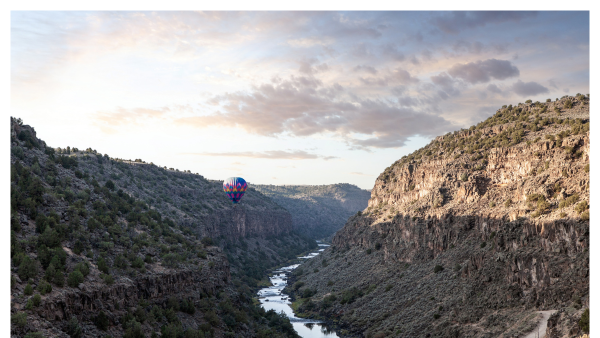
[(110, 185), (73, 328), (75, 278), (102, 266), (27, 268), (101, 321)]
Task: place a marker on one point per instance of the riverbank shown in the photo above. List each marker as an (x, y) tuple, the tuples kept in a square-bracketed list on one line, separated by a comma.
[(274, 298)]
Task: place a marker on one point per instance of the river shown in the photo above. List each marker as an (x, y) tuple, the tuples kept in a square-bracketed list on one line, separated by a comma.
[(272, 298)]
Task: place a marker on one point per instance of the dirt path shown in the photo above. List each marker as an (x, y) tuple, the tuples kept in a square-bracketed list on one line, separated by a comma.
[(541, 328)]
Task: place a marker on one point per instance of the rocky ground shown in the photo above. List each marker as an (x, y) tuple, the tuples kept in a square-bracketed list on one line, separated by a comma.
[(469, 236)]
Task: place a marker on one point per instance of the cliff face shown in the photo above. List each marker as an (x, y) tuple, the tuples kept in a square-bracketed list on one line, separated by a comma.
[(472, 234), (318, 211), (242, 222), (101, 247)]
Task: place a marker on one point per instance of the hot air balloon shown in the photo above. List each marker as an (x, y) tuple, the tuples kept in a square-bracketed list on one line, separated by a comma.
[(235, 187)]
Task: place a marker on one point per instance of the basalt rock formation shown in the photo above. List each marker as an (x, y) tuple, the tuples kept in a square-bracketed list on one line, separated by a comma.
[(318, 211), (103, 247), (471, 236)]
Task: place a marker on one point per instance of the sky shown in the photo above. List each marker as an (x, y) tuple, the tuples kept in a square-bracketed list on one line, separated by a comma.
[(283, 97)]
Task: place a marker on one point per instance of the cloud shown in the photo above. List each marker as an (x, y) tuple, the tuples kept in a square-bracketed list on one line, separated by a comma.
[(303, 106), (309, 42), (493, 88), (528, 88), (484, 71), (310, 67), (367, 69), (455, 22), (470, 47), (398, 76), (391, 51), (446, 83), (270, 154), (107, 121)]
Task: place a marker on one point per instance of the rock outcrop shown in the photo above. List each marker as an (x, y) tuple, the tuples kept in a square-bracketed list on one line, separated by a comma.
[(470, 235)]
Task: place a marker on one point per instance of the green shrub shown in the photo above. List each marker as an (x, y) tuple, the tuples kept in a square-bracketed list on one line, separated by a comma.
[(73, 328), (508, 203), (207, 241), (44, 287), (37, 299), (84, 268), (567, 202), (535, 197), (75, 278), (19, 319), (102, 266), (202, 254), (587, 168), (121, 262), (34, 335), (28, 290), (297, 285), (108, 279), (369, 251), (436, 316), (457, 267), (581, 207), (134, 330), (492, 204), (388, 287), (464, 177), (568, 104), (349, 296), (101, 321), (137, 263), (584, 321), (59, 278), (482, 245), (585, 216), (28, 268), (438, 268)]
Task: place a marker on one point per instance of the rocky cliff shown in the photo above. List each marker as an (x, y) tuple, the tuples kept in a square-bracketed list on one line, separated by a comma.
[(318, 211), (105, 247), (471, 236)]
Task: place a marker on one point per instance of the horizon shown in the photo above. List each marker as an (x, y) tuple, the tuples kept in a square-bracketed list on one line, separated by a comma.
[(315, 97)]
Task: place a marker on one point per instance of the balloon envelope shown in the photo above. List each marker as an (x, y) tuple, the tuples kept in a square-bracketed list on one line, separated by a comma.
[(235, 187)]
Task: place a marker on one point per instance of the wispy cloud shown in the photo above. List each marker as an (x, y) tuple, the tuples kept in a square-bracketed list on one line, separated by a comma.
[(108, 121), (455, 22), (270, 154)]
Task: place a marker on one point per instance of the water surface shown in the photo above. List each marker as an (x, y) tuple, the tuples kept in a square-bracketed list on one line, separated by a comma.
[(272, 298)]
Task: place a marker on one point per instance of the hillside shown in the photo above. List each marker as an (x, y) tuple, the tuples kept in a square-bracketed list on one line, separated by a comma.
[(106, 247), (471, 236), (318, 211)]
